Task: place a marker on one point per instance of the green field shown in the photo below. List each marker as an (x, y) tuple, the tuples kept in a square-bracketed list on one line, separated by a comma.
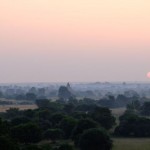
[(131, 144)]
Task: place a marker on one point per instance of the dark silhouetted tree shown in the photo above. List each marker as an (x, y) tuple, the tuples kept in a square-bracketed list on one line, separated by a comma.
[(26, 133), (145, 109), (95, 139), (81, 126), (103, 116), (53, 134), (31, 96), (67, 125)]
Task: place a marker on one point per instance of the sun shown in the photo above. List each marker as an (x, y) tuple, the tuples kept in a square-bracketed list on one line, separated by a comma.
[(148, 74)]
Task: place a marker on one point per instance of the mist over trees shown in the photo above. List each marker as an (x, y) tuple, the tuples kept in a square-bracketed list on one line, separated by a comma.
[(112, 95), (95, 91)]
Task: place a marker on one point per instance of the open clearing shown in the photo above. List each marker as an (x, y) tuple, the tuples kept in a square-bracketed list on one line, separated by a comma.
[(128, 143), (3, 108), (118, 111), (131, 144)]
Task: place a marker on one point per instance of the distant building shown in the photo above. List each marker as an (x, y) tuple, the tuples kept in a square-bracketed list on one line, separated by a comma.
[(66, 92)]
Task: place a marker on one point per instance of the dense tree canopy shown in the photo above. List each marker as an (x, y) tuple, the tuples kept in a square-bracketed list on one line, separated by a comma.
[(7, 144), (82, 125), (95, 139), (103, 116), (53, 134), (131, 125), (67, 125), (26, 133)]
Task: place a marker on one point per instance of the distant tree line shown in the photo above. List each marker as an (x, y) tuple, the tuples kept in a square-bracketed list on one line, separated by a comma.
[(64, 93)]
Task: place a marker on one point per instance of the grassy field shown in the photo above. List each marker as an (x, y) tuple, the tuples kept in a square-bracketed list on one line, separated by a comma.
[(131, 144)]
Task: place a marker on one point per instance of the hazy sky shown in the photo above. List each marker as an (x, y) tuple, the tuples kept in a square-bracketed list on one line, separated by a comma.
[(74, 40)]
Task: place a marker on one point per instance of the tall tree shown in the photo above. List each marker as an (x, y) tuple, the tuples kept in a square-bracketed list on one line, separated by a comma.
[(95, 139)]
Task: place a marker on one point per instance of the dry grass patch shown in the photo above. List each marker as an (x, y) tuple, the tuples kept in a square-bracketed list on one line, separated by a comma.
[(3, 108), (118, 111), (131, 144)]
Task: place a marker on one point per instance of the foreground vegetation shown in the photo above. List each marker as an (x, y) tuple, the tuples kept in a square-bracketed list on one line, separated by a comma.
[(72, 124), (80, 123)]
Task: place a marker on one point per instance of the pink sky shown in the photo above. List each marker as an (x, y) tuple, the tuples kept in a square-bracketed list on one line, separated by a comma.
[(67, 40)]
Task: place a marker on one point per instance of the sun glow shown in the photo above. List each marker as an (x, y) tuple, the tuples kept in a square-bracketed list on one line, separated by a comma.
[(148, 74)]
